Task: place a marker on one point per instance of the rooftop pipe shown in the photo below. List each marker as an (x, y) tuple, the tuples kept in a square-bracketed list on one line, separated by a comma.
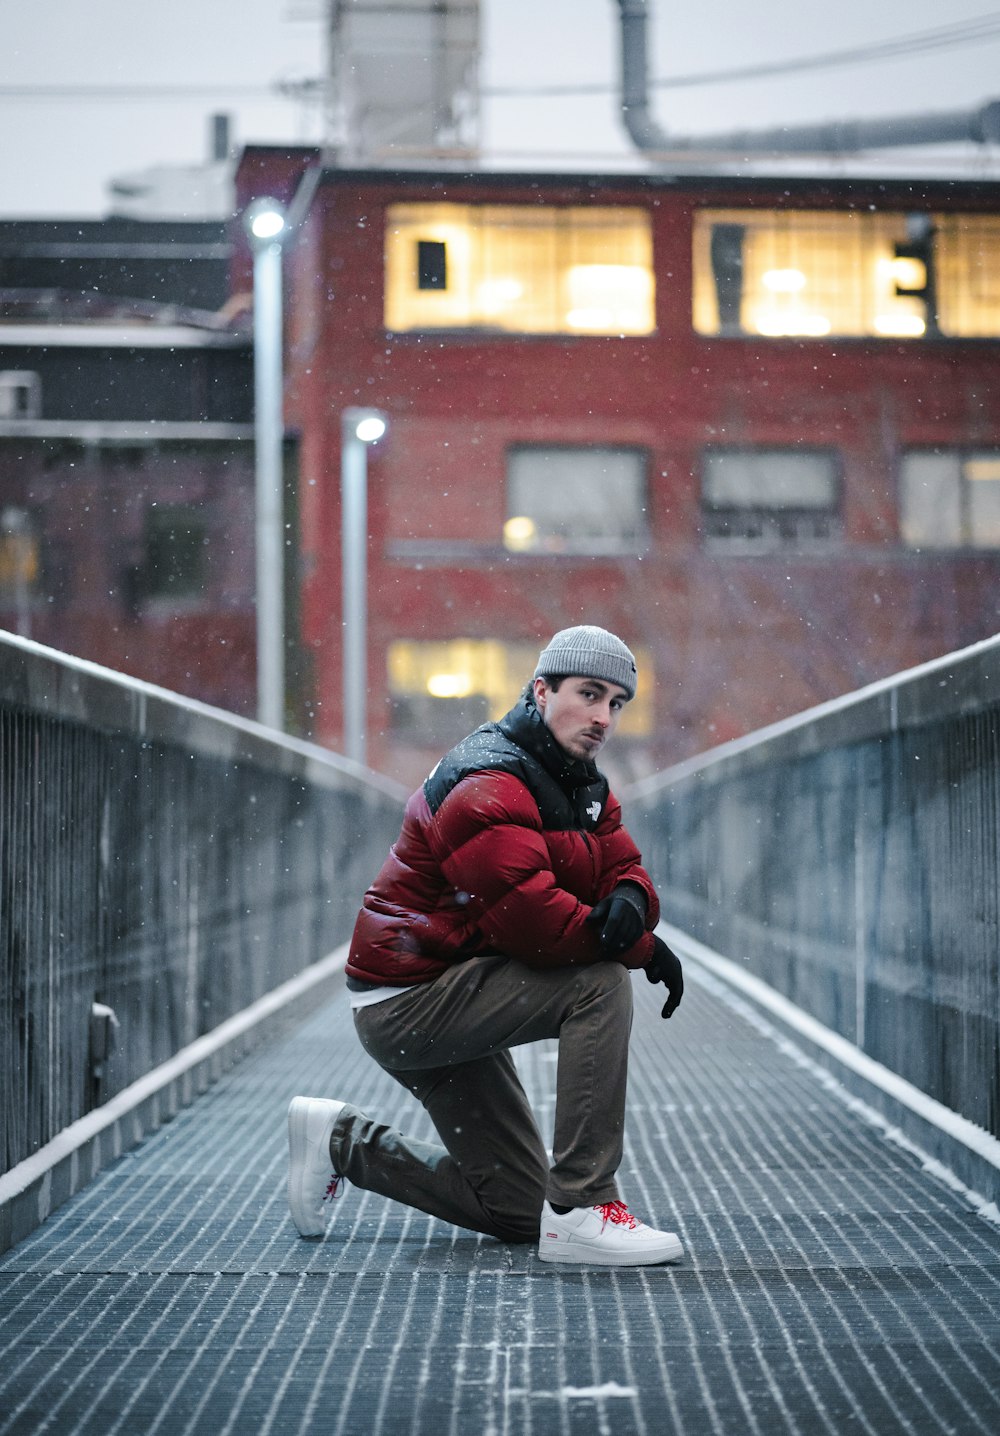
[(981, 125)]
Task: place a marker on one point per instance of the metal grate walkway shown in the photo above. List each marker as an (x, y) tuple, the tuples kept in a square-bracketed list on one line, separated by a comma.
[(831, 1285)]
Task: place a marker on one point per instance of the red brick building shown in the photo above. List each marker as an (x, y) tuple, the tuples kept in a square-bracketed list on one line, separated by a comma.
[(751, 425)]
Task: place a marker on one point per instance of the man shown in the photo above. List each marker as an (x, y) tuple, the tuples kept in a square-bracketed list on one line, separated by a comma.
[(510, 909)]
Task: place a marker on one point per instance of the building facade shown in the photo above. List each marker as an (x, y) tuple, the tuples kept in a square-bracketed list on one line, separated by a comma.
[(751, 425), (126, 451)]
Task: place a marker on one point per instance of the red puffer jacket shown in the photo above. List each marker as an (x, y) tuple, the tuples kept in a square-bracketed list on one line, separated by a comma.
[(483, 873)]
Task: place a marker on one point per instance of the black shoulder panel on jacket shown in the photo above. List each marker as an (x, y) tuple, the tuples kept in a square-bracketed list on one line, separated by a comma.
[(489, 749), (486, 749)]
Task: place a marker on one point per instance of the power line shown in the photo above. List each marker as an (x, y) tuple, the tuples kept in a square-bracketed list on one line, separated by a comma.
[(968, 32), (130, 93), (980, 30)]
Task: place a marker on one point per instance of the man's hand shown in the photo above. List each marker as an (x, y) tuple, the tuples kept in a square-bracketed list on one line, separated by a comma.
[(621, 918), (665, 967)]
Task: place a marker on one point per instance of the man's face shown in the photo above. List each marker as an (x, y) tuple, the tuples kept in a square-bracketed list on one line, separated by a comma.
[(581, 714)]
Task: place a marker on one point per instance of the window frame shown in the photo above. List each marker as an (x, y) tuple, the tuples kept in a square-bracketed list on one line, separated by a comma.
[(961, 455), (167, 593), (771, 517), (26, 382), (564, 236), (582, 547), (22, 555), (956, 302)]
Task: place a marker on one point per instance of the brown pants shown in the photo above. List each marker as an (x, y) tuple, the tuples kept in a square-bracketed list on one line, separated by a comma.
[(447, 1042)]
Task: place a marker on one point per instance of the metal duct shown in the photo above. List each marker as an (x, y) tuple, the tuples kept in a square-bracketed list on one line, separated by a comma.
[(981, 125), (640, 124), (402, 79)]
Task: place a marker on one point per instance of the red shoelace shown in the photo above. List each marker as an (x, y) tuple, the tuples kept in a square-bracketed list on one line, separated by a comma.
[(333, 1188), (618, 1213)]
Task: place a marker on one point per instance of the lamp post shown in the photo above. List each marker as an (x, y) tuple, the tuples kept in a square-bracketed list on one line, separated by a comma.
[(265, 222), (358, 429)]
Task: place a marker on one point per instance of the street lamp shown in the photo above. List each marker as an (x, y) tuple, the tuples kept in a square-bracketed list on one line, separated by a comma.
[(266, 226), (358, 429)]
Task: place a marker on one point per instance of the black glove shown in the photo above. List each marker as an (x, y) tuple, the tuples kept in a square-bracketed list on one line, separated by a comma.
[(665, 967), (621, 917)]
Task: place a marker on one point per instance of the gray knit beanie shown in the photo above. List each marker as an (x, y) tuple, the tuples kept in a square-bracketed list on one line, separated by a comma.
[(590, 652)]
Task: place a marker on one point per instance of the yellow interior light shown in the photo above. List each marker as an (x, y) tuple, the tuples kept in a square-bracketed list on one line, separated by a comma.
[(982, 469), (600, 319), (783, 281), (495, 295), (776, 325), (449, 685), (520, 533), (908, 273), (605, 297), (491, 670), (899, 326), (509, 267)]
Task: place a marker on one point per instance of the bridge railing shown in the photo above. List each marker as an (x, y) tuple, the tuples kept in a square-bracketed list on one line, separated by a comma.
[(850, 857), (160, 859)]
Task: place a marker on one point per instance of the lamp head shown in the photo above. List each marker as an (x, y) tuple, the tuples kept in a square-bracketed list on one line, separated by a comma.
[(264, 219), (370, 429), (368, 425)]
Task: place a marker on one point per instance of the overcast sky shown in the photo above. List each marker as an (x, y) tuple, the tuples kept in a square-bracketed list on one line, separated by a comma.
[(59, 152)]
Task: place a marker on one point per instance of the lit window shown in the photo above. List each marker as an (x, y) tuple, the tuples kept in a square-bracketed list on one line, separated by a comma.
[(814, 273), (967, 257), (441, 691), (176, 540), (765, 499), (519, 268), (949, 499), (19, 554), (575, 499)]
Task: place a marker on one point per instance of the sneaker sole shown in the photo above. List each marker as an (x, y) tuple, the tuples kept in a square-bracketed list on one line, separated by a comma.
[(584, 1254)]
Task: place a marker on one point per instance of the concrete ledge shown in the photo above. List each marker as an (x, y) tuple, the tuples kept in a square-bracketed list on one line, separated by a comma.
[(44, 681), (34, 1188), (962, 1154)]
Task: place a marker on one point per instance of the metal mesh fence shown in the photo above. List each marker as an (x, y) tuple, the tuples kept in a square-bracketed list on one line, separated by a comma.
[(852, 861), (160, 861)]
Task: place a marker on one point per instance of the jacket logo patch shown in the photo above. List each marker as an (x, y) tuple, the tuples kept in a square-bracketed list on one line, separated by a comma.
[(594, 811)]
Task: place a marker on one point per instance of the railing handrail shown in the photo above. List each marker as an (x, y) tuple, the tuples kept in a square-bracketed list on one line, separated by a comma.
[(847, 858), (60, 685)]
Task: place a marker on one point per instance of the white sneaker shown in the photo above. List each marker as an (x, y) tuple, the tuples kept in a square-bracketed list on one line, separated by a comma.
[(312, 1180), (605, 1235)]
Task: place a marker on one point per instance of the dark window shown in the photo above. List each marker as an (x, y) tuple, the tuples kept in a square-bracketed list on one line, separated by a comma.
[(432, 264), (20, 394), (763, 499), (175, 561), (439, 721)]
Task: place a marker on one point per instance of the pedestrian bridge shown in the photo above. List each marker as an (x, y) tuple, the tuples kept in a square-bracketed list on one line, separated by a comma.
[(819, 1120)]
